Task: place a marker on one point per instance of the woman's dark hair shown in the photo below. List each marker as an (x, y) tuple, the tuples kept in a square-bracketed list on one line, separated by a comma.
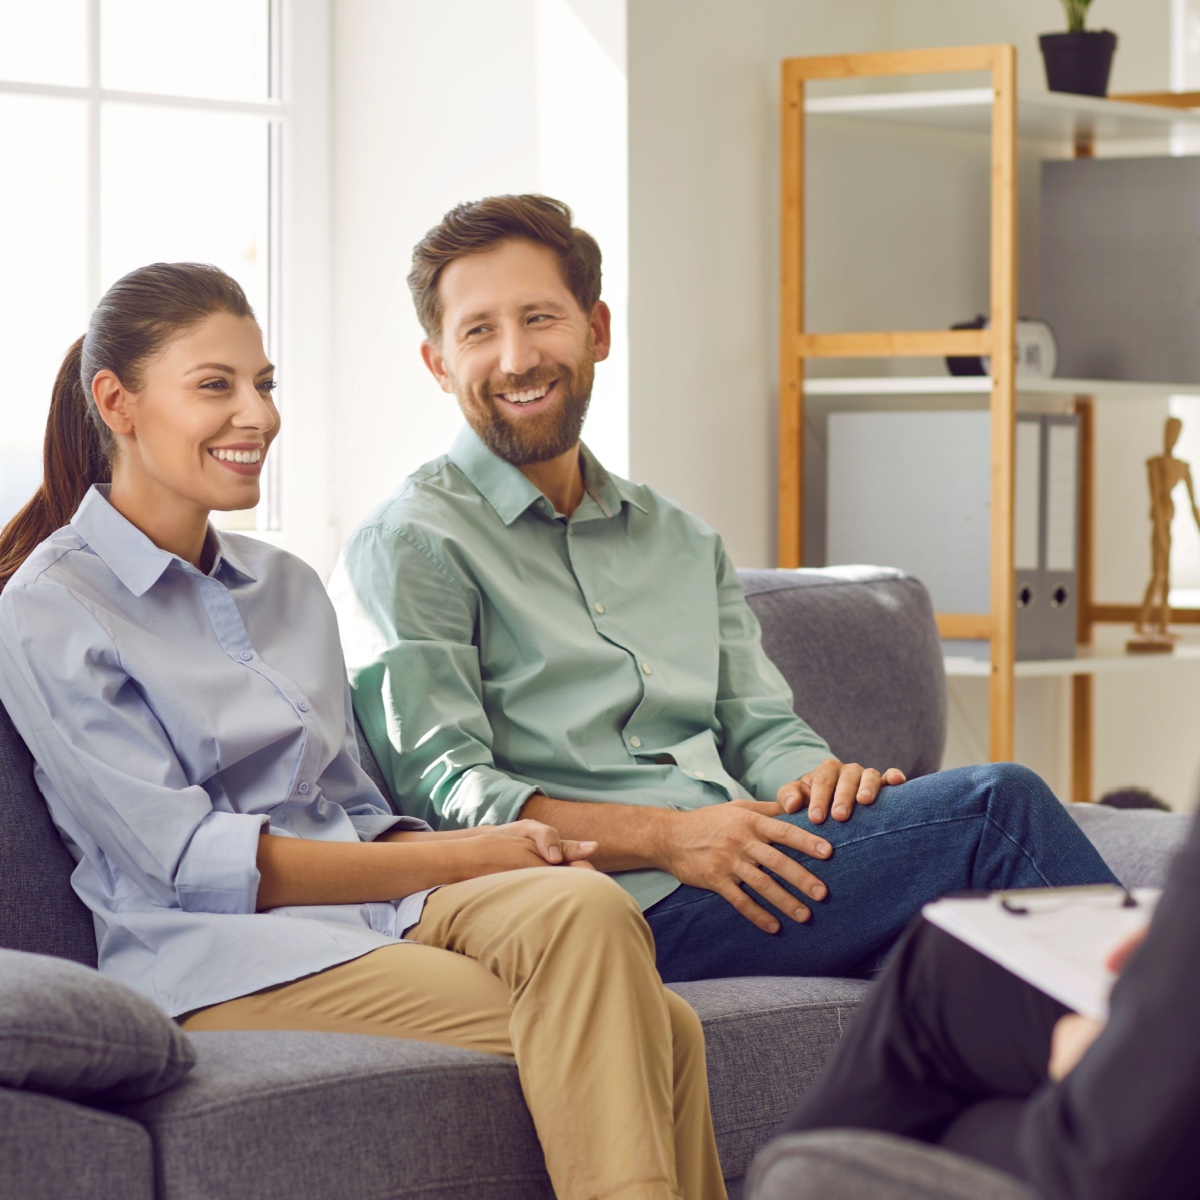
[(133, 322)]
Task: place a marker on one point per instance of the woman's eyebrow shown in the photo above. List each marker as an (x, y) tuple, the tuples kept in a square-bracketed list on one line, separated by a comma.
[(216, 366)]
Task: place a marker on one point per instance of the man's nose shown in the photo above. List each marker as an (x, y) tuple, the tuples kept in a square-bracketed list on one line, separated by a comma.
[(517, 352)]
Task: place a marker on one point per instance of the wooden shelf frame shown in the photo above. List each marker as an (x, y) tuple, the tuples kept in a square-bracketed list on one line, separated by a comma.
[(797, 345), (998, 626)]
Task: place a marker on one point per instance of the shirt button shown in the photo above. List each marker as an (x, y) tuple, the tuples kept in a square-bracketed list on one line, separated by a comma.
[(598, 606), (303, 789), (570, 530), (646, 669), (698, 774), (541, 504), (246, 655), (302, 706), (635, 742)]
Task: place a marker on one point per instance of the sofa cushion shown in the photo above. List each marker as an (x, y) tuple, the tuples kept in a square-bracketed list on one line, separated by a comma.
[(39, 910), (859, 648), (51, 1149), (1136, 843), (67, 1031), (840, 1164), (265, 1116), (765, 1038)]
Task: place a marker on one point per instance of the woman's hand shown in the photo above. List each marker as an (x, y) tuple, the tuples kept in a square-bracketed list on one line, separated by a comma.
[(522, 844), (554, 849)]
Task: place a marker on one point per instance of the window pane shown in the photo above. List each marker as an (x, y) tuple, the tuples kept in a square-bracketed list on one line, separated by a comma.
[(177, 47), (43, 41), (182, 186), (43, 304)]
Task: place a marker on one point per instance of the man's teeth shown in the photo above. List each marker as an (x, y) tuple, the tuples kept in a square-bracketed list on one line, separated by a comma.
[(237, 456), (526, 397)]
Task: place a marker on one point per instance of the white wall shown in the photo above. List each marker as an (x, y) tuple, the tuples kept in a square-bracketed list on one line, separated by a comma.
[(435, 104)]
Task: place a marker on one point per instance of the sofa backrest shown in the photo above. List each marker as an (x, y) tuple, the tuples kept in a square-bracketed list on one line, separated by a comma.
[(858, 646), (860, 649), (39, 910)]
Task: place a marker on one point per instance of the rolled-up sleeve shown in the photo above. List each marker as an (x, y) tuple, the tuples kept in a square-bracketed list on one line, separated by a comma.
[(110, 763), (408, 630), (764, 743)]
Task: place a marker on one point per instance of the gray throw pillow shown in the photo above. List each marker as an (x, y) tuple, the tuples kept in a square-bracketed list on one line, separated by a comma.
[(66, 1030)]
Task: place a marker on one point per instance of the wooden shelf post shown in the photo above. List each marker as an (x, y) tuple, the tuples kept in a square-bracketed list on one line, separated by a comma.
[(998, 341)]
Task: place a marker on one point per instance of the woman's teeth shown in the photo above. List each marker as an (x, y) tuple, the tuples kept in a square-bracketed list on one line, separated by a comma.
[(237, 456)]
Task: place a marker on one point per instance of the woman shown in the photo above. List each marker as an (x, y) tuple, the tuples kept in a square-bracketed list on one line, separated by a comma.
[(184, 696)]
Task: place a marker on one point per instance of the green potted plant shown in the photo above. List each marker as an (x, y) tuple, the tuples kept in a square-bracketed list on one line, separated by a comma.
[(1079, 60)]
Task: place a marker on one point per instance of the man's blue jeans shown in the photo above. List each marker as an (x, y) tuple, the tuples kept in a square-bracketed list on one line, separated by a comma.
[(985, 827)]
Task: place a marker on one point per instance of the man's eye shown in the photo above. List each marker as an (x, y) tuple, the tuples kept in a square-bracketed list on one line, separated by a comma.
[(477, 330)]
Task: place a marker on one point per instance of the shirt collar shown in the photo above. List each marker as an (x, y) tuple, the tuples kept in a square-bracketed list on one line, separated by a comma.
[(135, 560), (508, 491)]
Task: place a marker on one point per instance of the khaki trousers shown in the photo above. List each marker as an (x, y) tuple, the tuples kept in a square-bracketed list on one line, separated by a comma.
[(553, 967)]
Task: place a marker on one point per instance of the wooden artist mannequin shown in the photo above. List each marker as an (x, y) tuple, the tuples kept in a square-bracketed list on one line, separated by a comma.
[(1165, 473)]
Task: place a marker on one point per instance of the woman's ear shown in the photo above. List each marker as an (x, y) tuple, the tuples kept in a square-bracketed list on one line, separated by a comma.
[(112, 402)]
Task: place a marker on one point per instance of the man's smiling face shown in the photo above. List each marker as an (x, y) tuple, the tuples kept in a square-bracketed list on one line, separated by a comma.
[(517, 350)]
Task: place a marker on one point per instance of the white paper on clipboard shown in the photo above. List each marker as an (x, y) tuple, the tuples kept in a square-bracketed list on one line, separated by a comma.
[(1057, 940)]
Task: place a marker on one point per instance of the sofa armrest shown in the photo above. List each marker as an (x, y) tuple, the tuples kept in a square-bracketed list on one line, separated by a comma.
[(851, 1164)]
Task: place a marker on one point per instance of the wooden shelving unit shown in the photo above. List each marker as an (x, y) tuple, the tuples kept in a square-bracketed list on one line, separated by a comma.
[(998, 112)]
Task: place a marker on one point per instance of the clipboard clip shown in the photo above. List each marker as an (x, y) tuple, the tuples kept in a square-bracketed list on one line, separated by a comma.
[(1128, 900)]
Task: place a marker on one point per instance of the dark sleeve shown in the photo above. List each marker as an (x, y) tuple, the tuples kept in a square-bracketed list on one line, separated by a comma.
[(1125, 1124)]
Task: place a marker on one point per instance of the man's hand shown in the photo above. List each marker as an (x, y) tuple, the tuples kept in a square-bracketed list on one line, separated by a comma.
[(722, 846), (1073, 1035), (835, 783)]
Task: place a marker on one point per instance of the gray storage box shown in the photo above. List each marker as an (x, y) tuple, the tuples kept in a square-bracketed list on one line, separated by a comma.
[(1120, 267)]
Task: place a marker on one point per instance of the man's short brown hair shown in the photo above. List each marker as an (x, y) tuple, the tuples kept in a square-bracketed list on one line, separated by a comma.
[(482, 225)]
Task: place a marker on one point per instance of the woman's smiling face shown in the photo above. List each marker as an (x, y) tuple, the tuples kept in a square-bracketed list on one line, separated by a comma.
[(200, 423)]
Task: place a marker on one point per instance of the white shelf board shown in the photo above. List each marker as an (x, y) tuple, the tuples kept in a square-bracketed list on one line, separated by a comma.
[(1041, 116), (1089, 660), (972, 385)]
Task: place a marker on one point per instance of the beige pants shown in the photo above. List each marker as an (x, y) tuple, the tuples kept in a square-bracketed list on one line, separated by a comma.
[(553, 967)]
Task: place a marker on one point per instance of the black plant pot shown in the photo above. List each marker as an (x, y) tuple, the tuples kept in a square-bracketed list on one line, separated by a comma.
[(1078, 62)]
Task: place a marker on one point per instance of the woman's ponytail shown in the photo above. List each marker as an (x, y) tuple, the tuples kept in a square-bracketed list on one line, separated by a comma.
[(135, 318), (74, 457)]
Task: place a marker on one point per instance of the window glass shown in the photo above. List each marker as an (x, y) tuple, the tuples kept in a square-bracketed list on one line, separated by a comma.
[(43, 41), (218, 49), (177, 186), (43, 304)]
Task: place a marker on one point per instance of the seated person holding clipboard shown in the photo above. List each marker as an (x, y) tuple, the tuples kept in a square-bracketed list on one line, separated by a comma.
[(953, 1049)]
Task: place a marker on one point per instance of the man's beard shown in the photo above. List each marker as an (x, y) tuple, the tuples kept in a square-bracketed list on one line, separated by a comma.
[(539, 438)]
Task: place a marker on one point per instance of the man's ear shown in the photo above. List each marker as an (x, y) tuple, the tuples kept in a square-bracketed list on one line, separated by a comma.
[(600, 323), (112, 401), (436, 362)]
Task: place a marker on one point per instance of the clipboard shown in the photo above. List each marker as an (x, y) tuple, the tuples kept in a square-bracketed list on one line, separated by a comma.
[(1056, 939)]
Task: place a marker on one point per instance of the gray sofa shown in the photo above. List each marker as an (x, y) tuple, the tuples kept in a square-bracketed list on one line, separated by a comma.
[(286, 1116)]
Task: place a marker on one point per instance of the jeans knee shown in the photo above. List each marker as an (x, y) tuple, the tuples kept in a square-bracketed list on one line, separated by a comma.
[(1011, 781)]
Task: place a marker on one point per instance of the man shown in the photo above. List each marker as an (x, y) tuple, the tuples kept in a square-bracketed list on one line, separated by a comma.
[(528, 634), (952, 1049)]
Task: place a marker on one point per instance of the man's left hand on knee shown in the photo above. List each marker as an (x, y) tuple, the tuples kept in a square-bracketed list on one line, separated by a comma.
[(838, 786)]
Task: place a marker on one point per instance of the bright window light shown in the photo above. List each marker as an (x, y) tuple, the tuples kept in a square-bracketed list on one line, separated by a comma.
[(217, 49), (168, 151), (44, 41)]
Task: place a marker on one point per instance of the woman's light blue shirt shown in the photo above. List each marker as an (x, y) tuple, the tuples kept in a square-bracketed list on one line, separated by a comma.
[(172, 716)]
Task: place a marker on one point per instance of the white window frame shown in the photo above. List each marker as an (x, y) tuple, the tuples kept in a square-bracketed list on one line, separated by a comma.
[(295, 510)]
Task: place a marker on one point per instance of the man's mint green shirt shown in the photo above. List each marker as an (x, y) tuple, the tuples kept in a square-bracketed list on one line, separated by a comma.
[(497, 648)]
